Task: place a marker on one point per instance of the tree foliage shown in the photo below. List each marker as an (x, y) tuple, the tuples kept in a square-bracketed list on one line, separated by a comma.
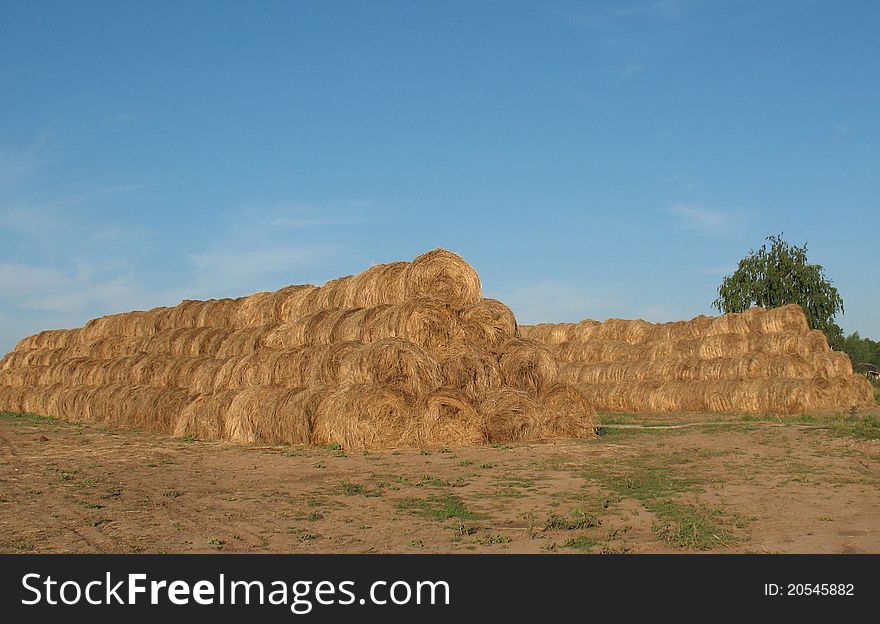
[(778, 274), (861, 351)]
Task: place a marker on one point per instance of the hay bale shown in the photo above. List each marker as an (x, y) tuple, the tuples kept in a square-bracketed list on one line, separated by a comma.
[(12, 398), (449, 418), (366, 416), (256, 310), (349, 324), (430, 324), (443, 276), (510, 415), (205, 416), (291, 302), (272, 415), (786, 318), (486, 324), (473, 371), (630, 332), (392, 363), (381, 284), (548, 333), (527, 365), (327, 365), (287, 335), (49, 339), (566, 413)]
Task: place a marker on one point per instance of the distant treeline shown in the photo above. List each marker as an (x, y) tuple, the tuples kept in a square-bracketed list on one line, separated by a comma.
[(860, 350)]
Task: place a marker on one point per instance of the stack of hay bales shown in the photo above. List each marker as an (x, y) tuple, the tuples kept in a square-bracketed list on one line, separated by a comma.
[(402, 354), (759, 361)]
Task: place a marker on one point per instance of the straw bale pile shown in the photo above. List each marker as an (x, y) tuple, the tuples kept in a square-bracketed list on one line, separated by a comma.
[(759, 361), (402, 354)]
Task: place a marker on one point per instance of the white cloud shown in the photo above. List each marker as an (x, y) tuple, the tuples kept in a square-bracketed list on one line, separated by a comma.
[(657, 313), (633, 69), (293, 222), (66, 264), (83, 289), (232, 270), (551, 301), (20, 279), (296, 215), (717, 271), (700, 218), (678, 181), (658, 10), (17, 163)]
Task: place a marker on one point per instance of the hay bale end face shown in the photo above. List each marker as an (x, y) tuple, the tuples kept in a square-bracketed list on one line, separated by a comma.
[(407, 354)]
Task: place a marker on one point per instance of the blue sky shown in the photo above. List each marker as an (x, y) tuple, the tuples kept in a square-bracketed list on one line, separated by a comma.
[(590, 159)]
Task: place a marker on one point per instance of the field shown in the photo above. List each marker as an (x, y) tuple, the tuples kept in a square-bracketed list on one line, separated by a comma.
[(670, 483)]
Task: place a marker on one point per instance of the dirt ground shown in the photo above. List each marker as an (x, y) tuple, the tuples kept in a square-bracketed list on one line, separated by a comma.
[(647, 484)]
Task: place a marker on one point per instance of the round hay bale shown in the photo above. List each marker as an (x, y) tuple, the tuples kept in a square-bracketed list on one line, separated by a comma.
[(566, 413), (380, 284), (304, 366), (486, 324), (218, 313), (472, 371), (582, 331), (630, 332), (287, 335), (443, 276), (50, 339), (291, 302), (337, 293), (780, 342), (591, 352), (312, 365), (151, 370), (202, 375), (393, 363), (661, 397), (181, 341), (527, 365), (510, 415), (12, 398), (183, 315), (857, 391), (348, 325), (203, 418), (449, 418), (719, 345), (151, 409), (255, 310), (204, 341), (430, 324), (733, 323), (366, 416), (549, 333), (816, 342), (242, 341), (783, 396), (786, 318), (271, 414), (319, 326)]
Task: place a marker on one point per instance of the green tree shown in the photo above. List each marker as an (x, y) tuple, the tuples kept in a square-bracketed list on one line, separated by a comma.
[(778, 274), (860, 350)]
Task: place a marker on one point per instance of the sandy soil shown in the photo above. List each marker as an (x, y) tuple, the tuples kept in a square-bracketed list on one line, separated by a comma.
[(732, 485)]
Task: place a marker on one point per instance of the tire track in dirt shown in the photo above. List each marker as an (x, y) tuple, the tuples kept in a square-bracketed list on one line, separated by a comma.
[(183, 502), (6, 446)]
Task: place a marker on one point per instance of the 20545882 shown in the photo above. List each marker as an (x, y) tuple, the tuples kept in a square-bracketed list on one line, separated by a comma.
[(809, 589)]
